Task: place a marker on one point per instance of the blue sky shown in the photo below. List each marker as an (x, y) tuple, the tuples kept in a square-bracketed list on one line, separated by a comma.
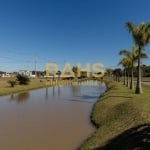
[(73, 31)]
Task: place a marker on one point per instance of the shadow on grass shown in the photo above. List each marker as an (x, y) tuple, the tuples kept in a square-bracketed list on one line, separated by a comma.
[(119, 92), (116, 97), (137, 138)]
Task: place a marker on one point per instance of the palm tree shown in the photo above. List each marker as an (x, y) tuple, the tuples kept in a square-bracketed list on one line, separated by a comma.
[(125, 63), (141, 37), (143, 55), (132, 59), (117, 74), (109, 73)]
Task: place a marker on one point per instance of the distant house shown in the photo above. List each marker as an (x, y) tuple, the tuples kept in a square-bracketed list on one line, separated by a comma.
[(6, 75), (27, 73)]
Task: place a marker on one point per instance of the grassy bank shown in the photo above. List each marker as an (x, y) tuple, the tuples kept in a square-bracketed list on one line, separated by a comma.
[(6, 89), (122, 119)]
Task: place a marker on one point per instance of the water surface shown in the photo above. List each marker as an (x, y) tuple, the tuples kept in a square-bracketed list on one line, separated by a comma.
[(48, 119)]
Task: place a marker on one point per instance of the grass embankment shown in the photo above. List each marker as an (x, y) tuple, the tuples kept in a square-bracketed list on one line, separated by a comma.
[(6, 89), (122, 119)]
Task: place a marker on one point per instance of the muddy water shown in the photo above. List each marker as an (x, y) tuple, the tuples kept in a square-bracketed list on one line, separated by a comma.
[(55, 118)]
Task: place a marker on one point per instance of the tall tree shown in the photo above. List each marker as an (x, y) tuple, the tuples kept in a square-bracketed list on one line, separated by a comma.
[(141, 37), (109, 73), (117, 74), (125, 63), (132, 59)]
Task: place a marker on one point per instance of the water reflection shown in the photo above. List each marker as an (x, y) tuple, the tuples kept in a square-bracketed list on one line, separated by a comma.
[(45, 116), (46, 92), (56, 91), (85, 87), (88, 97), (20, 97), (79, 100), (76, 90), (59, 92)]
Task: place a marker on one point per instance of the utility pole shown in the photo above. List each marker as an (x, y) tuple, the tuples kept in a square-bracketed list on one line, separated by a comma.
[(35, 63)]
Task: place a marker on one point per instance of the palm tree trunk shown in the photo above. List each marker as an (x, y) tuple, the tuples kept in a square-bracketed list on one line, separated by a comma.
[(125, 77), (138, 85), (128, 80), (115, 77), (118, 79), (131, 82)]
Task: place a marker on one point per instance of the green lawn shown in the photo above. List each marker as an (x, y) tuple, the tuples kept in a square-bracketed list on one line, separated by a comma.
[(6, 89), (122, 119)]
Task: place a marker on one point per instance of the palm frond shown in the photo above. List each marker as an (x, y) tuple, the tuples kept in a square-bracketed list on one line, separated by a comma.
[(130, 26), (124, 52), (140, 33), (144, 55), (125, 62)]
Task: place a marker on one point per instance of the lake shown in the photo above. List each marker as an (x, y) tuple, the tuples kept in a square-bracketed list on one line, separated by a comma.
[(53, 118)]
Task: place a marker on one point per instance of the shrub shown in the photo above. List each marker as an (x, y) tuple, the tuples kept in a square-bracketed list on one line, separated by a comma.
[(12, 83), (22, 79)]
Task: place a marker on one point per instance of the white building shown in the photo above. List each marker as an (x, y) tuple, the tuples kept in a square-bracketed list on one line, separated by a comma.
[(27, 73), (6, 75)]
